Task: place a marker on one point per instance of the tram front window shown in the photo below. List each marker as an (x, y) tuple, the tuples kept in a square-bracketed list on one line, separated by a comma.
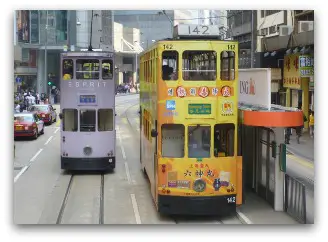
[(88, 120), (199, 140)]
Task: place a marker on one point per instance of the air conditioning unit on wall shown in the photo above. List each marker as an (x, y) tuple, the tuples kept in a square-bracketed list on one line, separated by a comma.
[(304, 26), (285, 30)]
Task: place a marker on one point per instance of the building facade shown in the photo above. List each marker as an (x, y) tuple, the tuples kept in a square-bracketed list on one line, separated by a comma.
[(287, 36), (41, 35), (241, 26)]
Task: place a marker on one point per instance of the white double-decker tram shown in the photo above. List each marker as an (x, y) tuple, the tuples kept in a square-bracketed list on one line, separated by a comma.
[(87, 111)]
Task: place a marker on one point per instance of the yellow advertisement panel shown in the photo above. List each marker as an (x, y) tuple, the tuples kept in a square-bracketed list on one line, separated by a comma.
[(292, 78)]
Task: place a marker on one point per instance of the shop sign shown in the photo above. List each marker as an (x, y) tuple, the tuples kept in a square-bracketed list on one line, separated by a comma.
[(292, 72), (306, 64)]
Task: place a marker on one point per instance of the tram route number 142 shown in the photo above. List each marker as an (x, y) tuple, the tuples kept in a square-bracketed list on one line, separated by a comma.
[(231, 199), (202, 30)]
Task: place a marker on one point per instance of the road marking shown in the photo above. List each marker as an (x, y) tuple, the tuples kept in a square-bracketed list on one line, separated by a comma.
[(243, 218), (56, 130), (34, 157), (58, 122), (20, 173), (121, 145), (50, 138), (127, 172), (135, 208), (301, 161)]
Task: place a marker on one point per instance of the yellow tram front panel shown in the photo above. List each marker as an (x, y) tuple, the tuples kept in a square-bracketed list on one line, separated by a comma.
[(189, 103)]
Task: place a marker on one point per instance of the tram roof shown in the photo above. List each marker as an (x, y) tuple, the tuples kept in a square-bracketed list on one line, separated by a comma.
[(107, 54)]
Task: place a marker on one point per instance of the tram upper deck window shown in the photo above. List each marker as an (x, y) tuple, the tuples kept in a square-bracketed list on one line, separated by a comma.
[(224, 135), (88, 120), (87, 69), (107, 69), (199, 65), (170, 65), (70, 120), (199, 141), (68, 69), (227, 65)]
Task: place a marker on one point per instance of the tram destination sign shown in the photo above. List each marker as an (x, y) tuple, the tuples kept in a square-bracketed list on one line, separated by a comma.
[(199, 109), (196, 30)]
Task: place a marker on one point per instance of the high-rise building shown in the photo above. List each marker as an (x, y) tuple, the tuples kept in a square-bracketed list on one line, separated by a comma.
[(154, 24), (43, 34)]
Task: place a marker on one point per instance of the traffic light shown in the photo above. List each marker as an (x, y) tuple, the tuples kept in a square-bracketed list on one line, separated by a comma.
[(49, 83)]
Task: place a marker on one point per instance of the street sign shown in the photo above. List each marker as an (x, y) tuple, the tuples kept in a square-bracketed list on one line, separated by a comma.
[(18, 79)]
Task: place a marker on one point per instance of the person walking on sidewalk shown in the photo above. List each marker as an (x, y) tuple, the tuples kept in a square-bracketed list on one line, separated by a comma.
[(311, 123), (300, 128)]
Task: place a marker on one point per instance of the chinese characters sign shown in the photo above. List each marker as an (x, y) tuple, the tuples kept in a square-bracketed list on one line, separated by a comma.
[(306, 64), (292, 72), (199, 108)]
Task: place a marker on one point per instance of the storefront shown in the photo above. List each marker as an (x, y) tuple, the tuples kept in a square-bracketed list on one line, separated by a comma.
[(298, 76)]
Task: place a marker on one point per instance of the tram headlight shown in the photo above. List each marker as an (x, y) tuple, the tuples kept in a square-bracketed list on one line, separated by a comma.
[(199, 185), (87, 150)]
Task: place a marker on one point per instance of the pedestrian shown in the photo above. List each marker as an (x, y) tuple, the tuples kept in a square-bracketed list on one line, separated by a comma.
[(311, 123), (37, 98)]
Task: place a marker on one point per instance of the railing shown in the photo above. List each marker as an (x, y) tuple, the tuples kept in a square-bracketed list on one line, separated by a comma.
[(295, 200)]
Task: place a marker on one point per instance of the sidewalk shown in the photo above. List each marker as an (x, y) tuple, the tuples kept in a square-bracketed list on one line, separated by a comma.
[(306, 147), (258, 211)]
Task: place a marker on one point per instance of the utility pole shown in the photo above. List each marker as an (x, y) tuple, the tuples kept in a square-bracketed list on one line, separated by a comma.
[(45, 57), (252, 40)]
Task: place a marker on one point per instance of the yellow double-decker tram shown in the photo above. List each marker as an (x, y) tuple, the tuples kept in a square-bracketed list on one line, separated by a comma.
[(188, 119)]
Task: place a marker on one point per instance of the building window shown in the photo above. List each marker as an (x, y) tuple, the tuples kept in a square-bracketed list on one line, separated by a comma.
[(224, 140), (227, 65), (70, 120), (199, 65), (173, 140), (262, 14), (273, 29), (264, 31), (270, 12), (105, 120), (87, 120), (170, 65)]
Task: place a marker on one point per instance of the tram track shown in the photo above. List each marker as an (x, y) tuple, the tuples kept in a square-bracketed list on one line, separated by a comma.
[(66, 200)]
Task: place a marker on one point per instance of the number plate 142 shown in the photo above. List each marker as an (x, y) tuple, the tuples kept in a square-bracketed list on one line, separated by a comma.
[(231, 199)]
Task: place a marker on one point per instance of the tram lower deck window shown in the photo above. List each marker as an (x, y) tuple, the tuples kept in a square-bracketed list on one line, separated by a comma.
[(173, 140), (87, 120), (105, 120), (199, 141), (224, 136), (70, 120)]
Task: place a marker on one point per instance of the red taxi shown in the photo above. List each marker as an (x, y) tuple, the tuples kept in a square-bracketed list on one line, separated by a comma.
[(27, 124), (46, 112)]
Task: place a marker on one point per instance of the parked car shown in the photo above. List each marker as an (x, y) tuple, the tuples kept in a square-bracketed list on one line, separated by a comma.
[(45, 111), (28, 124)]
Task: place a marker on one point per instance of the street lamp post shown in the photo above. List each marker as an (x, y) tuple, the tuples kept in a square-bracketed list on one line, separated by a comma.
[(45, 57)]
